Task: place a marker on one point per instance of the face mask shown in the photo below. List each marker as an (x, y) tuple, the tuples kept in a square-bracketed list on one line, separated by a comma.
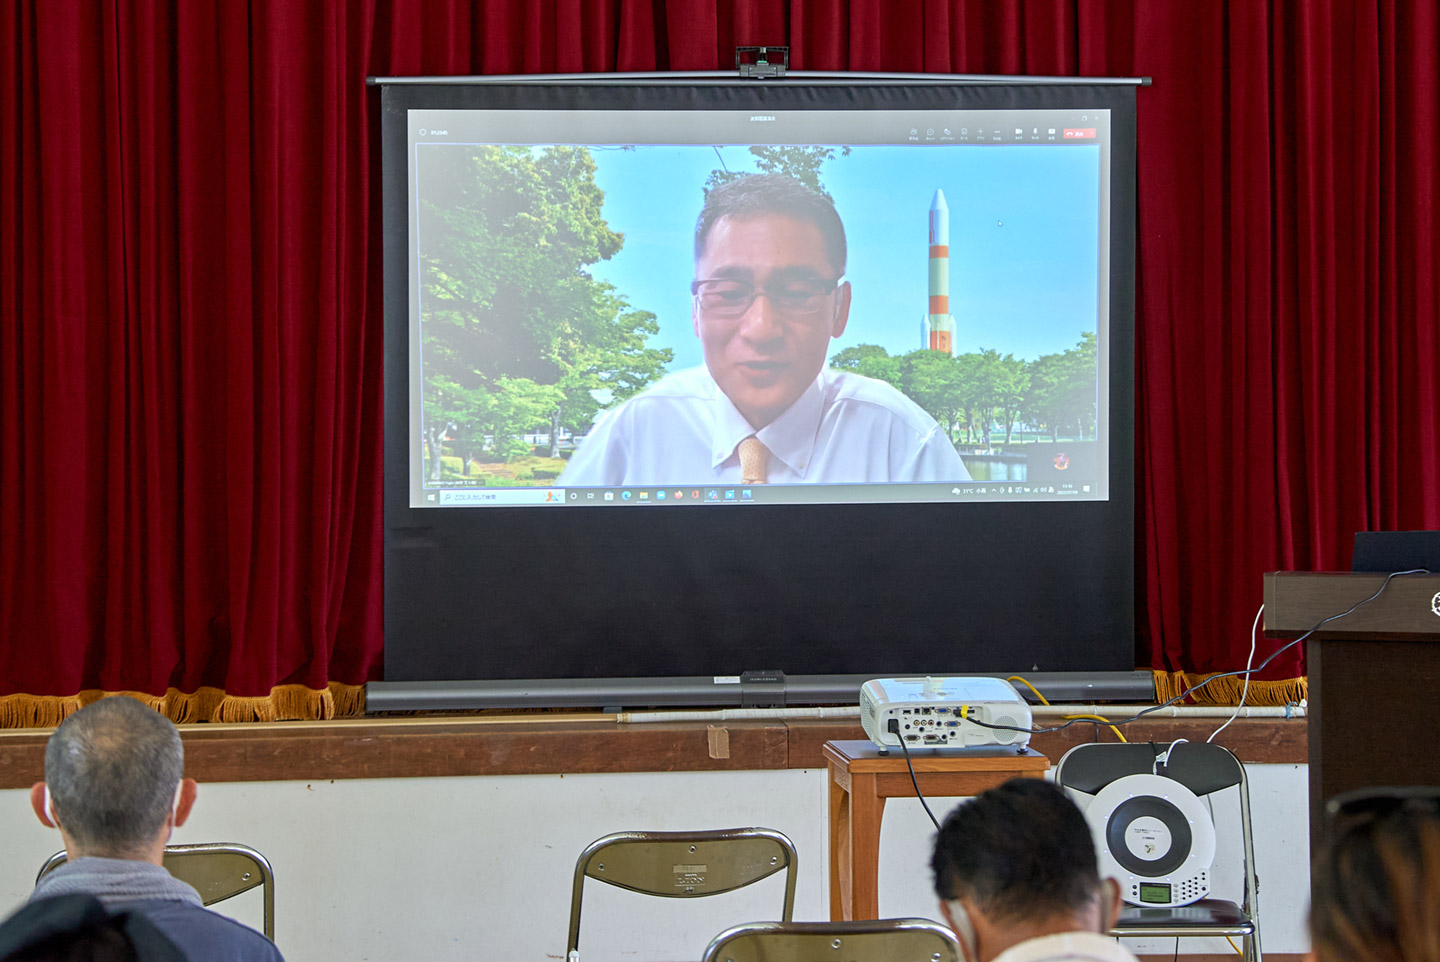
[(964, 930)]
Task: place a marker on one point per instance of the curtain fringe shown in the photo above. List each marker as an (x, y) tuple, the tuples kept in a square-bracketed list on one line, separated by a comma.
[(1226, 691), (336, 700), (284, 703)]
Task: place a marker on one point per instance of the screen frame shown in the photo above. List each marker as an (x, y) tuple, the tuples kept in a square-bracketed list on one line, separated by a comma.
[(416, 538)]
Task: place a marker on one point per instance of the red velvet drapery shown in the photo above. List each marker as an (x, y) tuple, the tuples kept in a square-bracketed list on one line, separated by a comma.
[(189, 357)]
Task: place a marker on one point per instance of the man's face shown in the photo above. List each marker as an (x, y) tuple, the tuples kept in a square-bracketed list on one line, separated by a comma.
[(765, 356)]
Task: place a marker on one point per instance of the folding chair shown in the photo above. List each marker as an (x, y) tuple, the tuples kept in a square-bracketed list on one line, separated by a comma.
[(682, 865), (1204, 769), (217, 870), (880, 940)]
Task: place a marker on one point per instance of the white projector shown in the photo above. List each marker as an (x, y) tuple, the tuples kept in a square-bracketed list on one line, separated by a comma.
[(943, 713)]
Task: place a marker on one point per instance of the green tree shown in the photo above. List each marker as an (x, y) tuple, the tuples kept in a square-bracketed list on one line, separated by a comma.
[(871, 360), (802, 163), (979, 374), (1082, 389), (1012, 380), (505, 235), (517, 406), (994, 388), (615, 367), (933, 380), (1042, 402), (1061, 395)]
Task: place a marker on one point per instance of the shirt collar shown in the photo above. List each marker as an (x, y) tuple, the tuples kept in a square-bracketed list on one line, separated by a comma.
[(115, 881), (790, 438), (1067, 945)]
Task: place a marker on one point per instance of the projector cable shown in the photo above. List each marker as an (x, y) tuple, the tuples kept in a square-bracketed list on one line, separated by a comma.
[(895, 730), (1246, 672)]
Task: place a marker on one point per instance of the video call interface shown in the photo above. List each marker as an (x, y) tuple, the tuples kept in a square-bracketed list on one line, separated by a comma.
[(882, 306)]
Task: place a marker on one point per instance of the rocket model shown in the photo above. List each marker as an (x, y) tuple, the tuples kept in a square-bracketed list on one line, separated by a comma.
[(937, 331)]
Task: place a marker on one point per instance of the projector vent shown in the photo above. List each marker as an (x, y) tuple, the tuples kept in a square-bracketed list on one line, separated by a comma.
[(1002, 736)]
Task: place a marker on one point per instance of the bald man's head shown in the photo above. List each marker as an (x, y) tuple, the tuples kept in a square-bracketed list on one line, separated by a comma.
[(112, 769)]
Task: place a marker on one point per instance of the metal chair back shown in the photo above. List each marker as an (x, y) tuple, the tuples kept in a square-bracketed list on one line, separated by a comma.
[(683, 865), (217, 870), (881, 940)]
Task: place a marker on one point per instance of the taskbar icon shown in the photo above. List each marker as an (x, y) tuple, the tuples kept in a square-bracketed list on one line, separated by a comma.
[(657, 495)]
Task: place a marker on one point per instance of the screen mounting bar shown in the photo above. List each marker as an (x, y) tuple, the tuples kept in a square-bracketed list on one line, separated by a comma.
[(795, 76)]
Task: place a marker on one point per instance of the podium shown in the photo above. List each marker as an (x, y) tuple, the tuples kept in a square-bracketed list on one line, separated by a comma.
[(1374, 678)]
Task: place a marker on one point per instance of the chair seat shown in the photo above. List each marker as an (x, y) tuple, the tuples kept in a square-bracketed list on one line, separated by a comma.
[(1214, 916)]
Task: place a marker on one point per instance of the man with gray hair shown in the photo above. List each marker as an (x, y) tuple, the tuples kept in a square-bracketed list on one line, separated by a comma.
[(114, 787)]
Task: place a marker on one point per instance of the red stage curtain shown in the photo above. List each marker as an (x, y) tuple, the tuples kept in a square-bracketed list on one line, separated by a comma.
[(190, 464), (190, 357)]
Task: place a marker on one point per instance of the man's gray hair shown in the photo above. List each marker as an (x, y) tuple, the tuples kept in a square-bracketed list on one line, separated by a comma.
[(112, 769)]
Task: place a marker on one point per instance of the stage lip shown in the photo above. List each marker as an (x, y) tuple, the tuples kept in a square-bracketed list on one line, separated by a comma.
[(705, 690)]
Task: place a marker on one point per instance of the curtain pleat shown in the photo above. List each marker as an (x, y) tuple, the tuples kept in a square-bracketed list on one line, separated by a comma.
[(190, 361)]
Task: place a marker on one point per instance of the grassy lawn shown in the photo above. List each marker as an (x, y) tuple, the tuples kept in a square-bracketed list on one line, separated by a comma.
[(530, 470)]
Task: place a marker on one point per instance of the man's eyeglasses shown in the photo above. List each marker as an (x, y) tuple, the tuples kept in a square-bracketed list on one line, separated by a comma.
[(1366, 805), (728, 299)]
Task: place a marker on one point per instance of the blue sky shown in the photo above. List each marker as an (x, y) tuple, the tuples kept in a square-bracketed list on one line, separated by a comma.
[(1024, 223)]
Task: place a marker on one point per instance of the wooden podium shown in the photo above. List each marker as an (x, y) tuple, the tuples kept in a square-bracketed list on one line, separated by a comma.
[(1374, 678)]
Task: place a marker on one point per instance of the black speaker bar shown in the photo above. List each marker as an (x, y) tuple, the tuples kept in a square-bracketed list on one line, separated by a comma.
[(705, 691)]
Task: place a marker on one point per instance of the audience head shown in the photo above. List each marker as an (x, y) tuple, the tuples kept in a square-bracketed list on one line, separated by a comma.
[(76, 928), (1018, 862), (1376, 884), (113, 781)]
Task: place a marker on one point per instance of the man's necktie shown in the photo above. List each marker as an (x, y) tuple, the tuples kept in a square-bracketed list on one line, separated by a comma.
[(753, 459)]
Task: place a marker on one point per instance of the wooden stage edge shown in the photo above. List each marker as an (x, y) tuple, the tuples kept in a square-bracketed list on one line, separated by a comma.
[(559, 744), (1225, 957)]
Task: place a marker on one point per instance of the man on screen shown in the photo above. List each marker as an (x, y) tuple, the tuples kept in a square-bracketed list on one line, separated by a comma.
[(768, 297)]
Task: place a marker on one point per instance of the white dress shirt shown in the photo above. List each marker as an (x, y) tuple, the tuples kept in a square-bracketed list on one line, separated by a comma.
[(845, 428), (1067, 947)]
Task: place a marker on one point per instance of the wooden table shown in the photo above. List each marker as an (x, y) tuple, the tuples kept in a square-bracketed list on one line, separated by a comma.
[(861, 778)]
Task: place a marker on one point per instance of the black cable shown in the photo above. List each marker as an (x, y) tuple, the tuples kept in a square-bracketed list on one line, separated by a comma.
[(1227, 674), (895, 730)]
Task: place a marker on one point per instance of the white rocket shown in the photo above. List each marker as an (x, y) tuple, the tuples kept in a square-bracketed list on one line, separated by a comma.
[(937, 330)]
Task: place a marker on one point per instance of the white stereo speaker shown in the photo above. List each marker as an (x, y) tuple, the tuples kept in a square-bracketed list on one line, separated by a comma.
[(944, 712), (1155, 837)]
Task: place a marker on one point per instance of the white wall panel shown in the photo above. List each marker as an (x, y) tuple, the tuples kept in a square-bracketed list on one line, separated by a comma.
[(451, 868)]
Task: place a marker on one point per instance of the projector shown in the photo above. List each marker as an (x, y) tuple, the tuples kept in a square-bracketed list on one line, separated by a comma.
[(942, 712)]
